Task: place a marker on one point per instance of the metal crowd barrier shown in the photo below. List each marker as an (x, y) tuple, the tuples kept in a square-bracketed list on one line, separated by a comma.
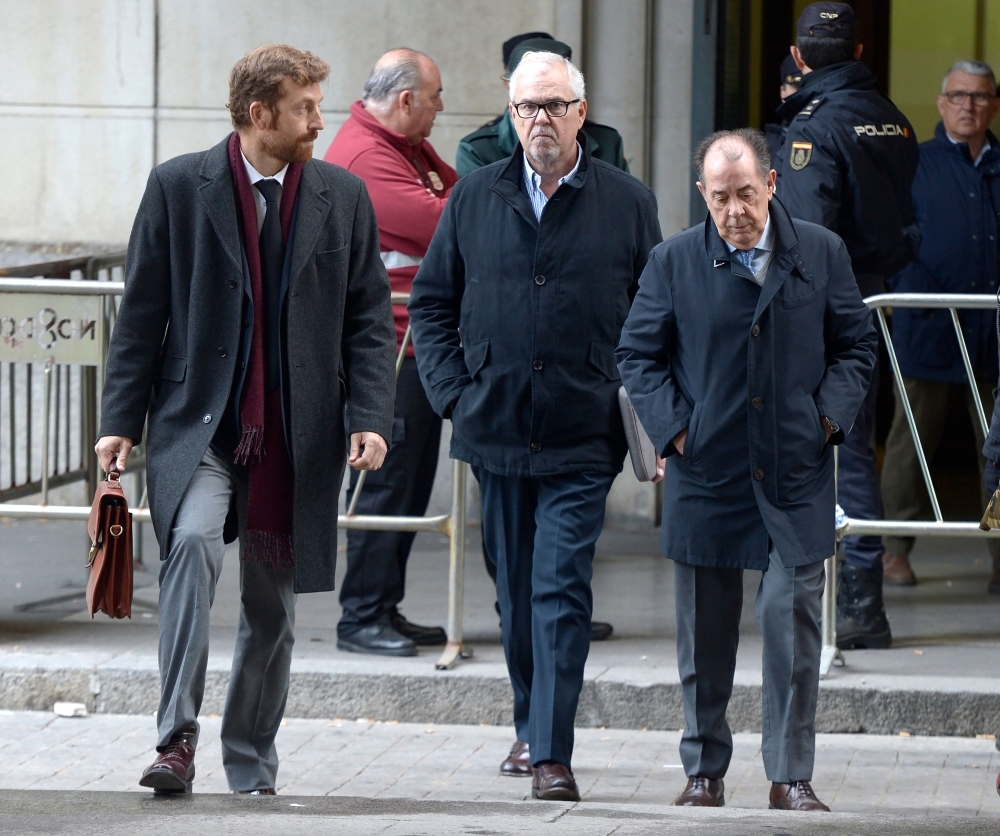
[(90, 326), (953, 302)]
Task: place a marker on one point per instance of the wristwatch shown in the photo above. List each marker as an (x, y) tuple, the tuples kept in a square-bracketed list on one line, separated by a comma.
[(831, 425)]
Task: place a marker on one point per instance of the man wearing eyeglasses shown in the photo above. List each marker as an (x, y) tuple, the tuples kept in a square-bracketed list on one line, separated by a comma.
[(848, 164), (516, 311), (957, 196)]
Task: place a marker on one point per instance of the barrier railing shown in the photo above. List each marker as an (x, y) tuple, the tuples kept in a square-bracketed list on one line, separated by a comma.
[(952, 302), (453, 524)]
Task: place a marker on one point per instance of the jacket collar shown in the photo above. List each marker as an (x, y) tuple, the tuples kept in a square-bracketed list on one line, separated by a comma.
[(220, 205), (508, 182), (786, 253), (961, 149), (370, 123), (847, 75)]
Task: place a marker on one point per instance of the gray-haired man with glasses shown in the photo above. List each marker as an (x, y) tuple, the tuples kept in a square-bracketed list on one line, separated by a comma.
[(956, 195), (516, 311)]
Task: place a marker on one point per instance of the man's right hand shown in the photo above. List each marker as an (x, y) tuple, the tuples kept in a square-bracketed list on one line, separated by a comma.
[(113, 448), (679, 440)]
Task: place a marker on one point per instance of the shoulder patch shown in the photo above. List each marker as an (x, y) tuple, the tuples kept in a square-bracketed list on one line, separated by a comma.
[(811, 108), (800, 155)]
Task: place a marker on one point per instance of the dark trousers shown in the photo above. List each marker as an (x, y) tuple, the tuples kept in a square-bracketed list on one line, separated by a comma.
[(858, 490), (376, 560), (708, 604), (903, 487), (542, 532)]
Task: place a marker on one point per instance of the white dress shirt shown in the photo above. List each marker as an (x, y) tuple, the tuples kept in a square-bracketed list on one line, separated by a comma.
[(256, 176)]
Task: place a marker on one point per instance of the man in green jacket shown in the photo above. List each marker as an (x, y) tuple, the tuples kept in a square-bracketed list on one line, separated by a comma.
[(496, 140)]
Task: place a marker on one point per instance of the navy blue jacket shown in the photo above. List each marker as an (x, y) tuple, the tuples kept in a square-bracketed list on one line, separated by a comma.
[(749, 372), (518, 319), (847, 164), (957, 207)]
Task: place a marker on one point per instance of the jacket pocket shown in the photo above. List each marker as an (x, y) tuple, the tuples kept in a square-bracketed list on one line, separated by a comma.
[(602, 358), (173, 368), (330, 257), (475, 356), (798, 301), (690, 440)]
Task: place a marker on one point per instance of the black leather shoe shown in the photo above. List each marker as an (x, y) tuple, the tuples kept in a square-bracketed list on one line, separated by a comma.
[(861, 620), (265, 791), (422, 636), (380, 639), (600, 631), (702, 792)]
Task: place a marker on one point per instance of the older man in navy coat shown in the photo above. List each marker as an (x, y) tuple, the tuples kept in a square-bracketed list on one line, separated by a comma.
[(516, 311), (747, 352)]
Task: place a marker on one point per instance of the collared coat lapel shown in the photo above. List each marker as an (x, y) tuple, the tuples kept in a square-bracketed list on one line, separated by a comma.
[(314, 205), (220, 203)]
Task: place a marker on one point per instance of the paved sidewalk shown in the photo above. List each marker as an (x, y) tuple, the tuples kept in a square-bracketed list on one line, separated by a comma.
[(865, 774)]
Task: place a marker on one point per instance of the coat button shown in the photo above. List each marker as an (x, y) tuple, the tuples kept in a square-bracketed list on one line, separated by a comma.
[(535, 447), (207, 419), (755, 331), (758, 474), (539, 280), (537, 365), (243, 365), (757, 403), (232, 284), (222, 351), (246, 323)]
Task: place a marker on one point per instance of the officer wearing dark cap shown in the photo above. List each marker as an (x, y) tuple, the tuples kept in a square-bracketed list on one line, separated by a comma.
[(790, 79), (848, 163), (496, 140)]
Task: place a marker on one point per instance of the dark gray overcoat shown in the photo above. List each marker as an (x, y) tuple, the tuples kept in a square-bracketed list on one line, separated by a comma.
[(749, 372), (176, 342)]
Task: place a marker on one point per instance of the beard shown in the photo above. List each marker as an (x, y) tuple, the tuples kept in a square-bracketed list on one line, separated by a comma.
[(289, 149), (543, 145)]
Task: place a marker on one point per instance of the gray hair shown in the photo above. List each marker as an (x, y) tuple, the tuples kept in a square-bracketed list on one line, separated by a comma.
[(970, 68), (389, 79), (547, 61), (754, 140)]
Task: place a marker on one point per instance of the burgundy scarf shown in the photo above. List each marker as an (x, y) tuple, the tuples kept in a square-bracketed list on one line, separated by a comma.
[(262, 445)]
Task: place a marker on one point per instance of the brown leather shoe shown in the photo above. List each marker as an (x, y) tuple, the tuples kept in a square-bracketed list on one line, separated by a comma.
[(553, 782), (797, 795), (702, 792), (518, 763), (173, 769), (896, 570)]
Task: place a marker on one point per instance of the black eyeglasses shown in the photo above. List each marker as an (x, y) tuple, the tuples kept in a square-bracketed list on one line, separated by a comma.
[(960, 97), (528, 110)]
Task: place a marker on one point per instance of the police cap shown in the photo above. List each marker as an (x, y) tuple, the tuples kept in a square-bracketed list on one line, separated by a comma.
[(537, 45), (510, 43), (790, 73), (828, 20)]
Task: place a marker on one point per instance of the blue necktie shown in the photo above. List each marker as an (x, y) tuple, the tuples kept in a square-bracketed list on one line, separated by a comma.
[(746, 257)]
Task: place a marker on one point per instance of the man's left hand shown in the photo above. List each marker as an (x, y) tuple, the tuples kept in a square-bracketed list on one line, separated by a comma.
[(367, 451)]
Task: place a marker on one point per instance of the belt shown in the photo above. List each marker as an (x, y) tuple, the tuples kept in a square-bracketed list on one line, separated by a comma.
[(393, 259)]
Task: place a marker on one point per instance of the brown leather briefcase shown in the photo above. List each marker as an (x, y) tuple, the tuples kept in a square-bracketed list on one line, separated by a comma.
[(109, 588)]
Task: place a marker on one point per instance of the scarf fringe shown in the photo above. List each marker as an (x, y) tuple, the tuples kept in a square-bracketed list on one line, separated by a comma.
[(251, 446), (274, 550)]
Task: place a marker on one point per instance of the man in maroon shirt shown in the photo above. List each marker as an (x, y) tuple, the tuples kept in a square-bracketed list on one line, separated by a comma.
[(384, 142)]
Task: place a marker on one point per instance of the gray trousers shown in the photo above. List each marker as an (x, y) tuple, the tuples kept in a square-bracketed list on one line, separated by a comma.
[(258, 684), (903, 491), (709, 603)]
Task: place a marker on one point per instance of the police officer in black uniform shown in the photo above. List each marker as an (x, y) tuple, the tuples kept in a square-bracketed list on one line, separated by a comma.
[(774, 132), (848, 162)]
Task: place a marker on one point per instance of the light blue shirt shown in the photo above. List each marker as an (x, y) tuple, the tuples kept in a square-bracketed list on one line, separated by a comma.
[(763, 252), (533, 181)]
